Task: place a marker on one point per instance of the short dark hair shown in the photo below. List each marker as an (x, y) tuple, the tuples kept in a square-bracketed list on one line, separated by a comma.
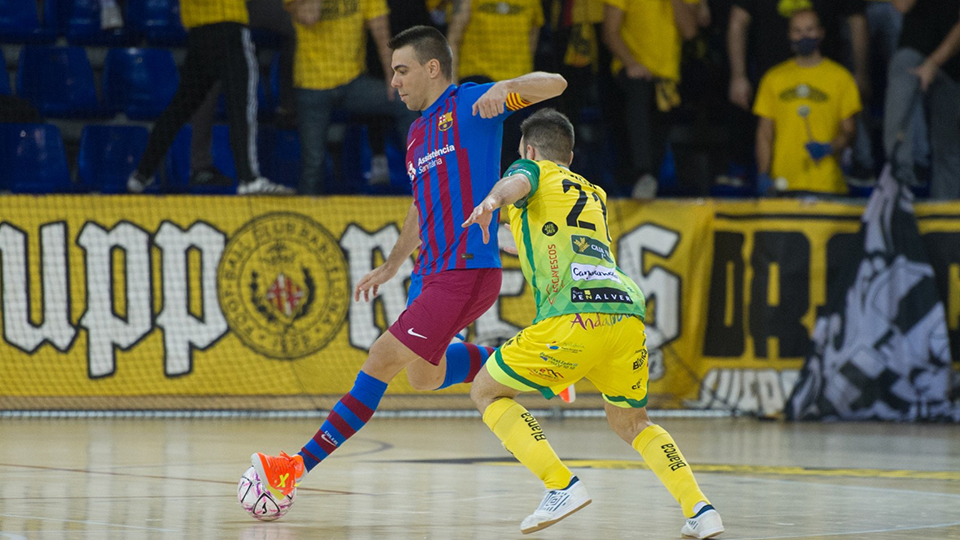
[(550, 132), (428, 44)]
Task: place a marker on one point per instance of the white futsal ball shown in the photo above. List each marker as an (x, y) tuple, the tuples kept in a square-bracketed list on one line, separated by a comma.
[(258, 501)]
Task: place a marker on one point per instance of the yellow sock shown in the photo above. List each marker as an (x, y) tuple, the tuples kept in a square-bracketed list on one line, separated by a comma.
[(662, 455), (521, 435)]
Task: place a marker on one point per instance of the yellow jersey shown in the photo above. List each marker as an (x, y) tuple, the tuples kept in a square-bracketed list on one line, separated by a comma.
[(496, 41), (333, 51), (799, 99), (195, 13), (563, 241), (651, 35)]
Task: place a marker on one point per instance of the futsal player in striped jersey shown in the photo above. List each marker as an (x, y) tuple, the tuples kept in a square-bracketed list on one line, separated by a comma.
[(453, 160), (589, 324)]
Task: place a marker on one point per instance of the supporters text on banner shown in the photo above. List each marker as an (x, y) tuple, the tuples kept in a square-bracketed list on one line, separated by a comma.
[(144, 302)]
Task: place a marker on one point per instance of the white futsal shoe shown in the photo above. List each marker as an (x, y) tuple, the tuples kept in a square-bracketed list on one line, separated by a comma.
[(706, 524), (262, 186), (137, 184), (556, 505)]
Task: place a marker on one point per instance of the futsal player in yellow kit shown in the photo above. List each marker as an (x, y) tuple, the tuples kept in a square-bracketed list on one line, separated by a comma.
[(589, 324)]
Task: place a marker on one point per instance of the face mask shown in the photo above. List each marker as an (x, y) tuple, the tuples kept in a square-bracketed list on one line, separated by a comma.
[(806, 46)]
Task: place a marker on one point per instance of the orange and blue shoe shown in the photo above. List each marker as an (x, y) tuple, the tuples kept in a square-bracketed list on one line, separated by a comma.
[(280, 474), (568, 394)]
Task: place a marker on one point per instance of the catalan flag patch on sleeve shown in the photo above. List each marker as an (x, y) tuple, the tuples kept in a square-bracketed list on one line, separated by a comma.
[(515, 102)]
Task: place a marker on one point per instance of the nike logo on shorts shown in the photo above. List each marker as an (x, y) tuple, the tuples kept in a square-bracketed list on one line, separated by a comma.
[(414, 334)]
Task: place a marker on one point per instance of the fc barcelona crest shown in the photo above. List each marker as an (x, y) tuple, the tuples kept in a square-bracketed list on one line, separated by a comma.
[(445, 122)]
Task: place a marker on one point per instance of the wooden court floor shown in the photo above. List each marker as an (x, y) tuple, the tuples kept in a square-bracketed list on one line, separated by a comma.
[(451, 479)]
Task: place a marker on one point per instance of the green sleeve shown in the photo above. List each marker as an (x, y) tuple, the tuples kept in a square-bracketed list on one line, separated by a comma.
[(531, 171)]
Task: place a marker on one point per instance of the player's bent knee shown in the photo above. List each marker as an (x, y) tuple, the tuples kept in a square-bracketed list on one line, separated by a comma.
[(485, 390), (387, 358), (421, 378), (627, 423)]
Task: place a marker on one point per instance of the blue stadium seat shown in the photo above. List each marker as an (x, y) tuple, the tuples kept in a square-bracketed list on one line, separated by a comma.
[(108, 154), (82, 25), (20, 23), (139, 82), (178, 162), (55, 15), (5, 89), (158, 20), (58, 81), (33, 159)]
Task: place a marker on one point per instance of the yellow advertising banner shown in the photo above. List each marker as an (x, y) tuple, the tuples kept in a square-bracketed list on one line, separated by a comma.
[(230, 302)]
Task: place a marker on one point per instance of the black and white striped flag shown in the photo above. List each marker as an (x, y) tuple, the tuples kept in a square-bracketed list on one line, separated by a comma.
[(880, 350)]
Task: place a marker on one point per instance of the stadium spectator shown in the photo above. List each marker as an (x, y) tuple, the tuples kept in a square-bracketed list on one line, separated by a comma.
[(218, 50), (481, 47), (575, 29), (403, 14), (645, 37), (766, 22), (927, 62), (483, 52), (807, 108), (202, 170), (883, 25), (329, 73), (269, 15)]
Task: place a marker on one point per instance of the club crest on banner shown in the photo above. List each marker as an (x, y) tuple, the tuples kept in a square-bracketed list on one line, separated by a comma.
[(284, 285)]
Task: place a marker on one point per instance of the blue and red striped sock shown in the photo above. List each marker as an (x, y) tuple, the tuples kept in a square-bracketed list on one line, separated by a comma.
[(464, 361), (351, 413)]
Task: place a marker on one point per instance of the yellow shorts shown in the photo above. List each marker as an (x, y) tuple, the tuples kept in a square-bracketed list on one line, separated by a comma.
[(609, 350)]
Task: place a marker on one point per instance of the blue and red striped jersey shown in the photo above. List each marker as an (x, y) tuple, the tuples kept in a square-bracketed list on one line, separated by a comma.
[(453, 160)]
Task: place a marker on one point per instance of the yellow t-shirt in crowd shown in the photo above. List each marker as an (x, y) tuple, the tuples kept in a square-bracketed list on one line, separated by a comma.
[(826, 94), (195, 13), (651, 35), (333, 51), (496, 42)]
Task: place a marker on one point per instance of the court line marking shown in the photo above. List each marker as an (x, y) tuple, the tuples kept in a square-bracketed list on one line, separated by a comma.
[(104, 523), (107, 497), (767, 470), (379, 447), (160, 477), (874, 531), (863, 488), (934, 494), (779, 470)]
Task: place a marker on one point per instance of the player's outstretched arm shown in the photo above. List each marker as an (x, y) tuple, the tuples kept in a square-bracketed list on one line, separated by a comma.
[(531, 88), (508, 190), (408, 241)]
